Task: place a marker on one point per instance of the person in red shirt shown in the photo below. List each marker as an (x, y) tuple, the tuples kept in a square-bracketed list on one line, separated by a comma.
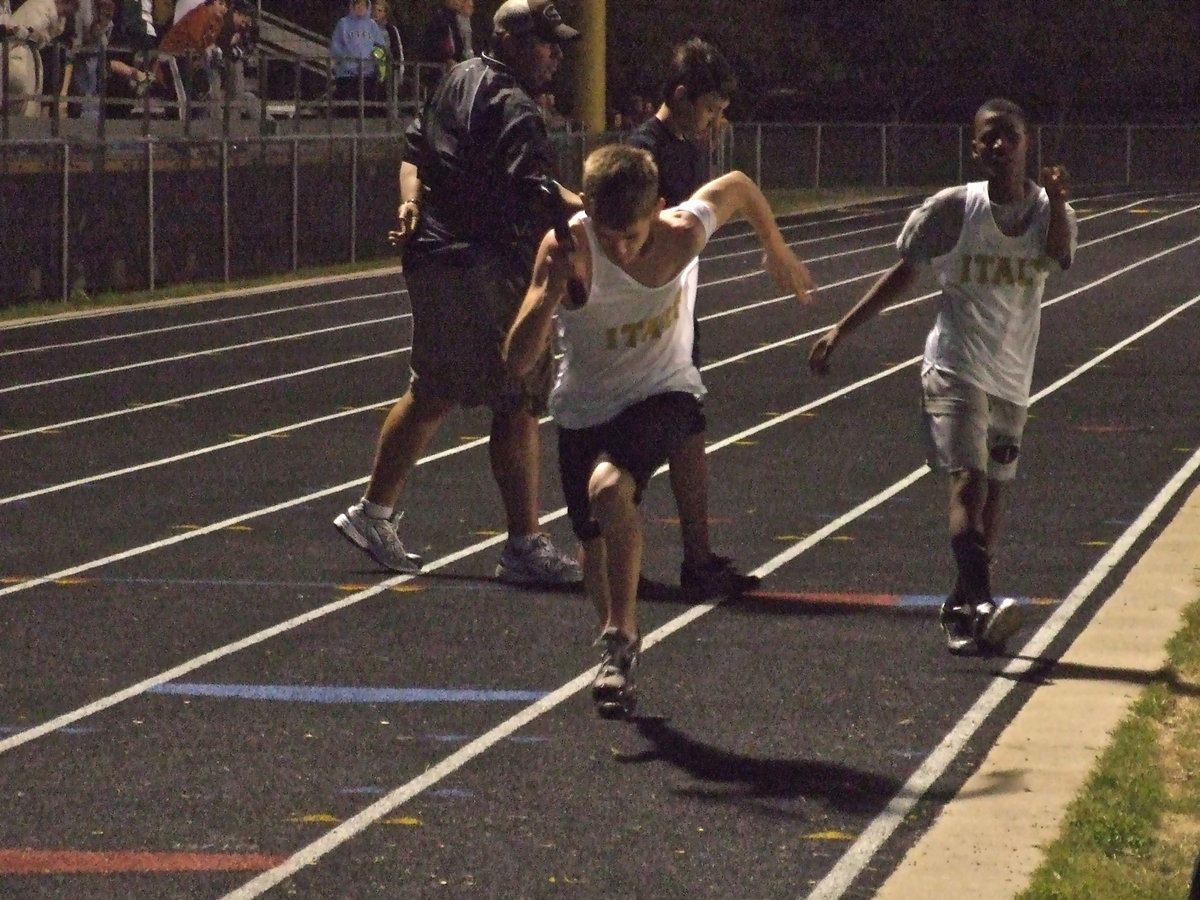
[(190, 40)]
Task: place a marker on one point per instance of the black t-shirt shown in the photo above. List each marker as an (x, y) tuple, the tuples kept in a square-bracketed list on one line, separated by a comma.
[(682, 165), (481, 150)]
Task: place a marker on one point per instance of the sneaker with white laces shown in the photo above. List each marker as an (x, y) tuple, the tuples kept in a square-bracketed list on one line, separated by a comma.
[(535, 560), (613, 690), (377, 537)]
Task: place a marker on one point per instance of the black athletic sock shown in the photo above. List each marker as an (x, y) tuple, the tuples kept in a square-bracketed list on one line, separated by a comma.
[(974, 569)]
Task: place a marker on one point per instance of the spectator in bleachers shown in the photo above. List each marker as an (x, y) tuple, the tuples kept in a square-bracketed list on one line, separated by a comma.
[(193, 42), (238, 35), (31, 28), (391, 70), (352, 47), (135, 26), (93, 28)]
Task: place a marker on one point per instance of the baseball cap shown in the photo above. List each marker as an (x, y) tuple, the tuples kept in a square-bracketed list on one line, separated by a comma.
[(537, 17)]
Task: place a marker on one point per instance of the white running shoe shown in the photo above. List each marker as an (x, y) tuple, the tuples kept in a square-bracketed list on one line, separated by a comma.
[(377, 537)]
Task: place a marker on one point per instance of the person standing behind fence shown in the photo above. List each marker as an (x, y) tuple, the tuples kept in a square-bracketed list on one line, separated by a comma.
[(135, 26), (32, 27), (992, 244), (193, 42), (390, 68), (93, 31), (695, 93), (476, 165), (352, 47)]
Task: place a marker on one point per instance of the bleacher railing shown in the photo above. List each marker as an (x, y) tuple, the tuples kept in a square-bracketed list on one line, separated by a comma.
[(263, 90)]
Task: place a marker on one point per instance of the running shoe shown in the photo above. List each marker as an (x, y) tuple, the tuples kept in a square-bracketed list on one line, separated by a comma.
[(378, 538)]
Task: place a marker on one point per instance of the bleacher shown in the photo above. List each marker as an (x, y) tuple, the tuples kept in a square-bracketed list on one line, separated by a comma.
[(282, 84)]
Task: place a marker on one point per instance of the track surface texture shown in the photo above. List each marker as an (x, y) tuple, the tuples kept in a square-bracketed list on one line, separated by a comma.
[(206, 692)]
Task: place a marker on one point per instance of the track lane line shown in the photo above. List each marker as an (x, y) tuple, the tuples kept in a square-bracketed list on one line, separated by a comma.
[(862, 851)]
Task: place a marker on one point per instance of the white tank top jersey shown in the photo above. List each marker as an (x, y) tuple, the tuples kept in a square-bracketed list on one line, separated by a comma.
[(990, 313), (628, 342)]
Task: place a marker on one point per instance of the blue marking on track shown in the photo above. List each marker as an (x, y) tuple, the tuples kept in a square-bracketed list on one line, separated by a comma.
[(75, 729), (301, 693), (452, 792)]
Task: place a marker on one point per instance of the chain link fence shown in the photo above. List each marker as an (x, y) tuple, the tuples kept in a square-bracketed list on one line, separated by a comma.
[(139, 212)]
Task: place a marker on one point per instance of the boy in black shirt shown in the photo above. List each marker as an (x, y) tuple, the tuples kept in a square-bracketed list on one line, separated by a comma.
[(695, 94)]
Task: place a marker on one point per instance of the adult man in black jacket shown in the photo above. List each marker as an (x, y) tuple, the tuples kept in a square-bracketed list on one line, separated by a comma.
[(475, 167)]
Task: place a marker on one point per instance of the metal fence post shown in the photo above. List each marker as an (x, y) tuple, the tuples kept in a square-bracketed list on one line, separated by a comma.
[(883, 166), (65, 262), (295, 203), (4, 44), (353, 197), (758, 154), (1128, 154), (960, 154), (817, 159), (225, 204), (150, 211)]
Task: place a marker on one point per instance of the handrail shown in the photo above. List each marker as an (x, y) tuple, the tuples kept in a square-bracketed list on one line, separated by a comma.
[(404, 91), (289, 26)]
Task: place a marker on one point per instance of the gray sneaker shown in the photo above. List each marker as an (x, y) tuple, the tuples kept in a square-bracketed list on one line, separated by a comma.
[(377, 537), (539, 563), (613, 690), (995, 623)]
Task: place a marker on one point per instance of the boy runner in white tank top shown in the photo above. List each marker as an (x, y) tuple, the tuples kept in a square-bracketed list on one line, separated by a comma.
[(991, 244), (628, 392)]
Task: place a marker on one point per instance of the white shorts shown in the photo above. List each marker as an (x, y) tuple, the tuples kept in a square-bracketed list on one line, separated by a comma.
[(968, 429)]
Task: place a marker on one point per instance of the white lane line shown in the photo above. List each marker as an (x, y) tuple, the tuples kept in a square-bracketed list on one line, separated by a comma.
[(861, 853), (212, 392), (851, 864), (201, 323), (306, 334), (192, 354), (547, 703), (66, 573), (796, 243), (202, 451), (285, 287), (762, 349)]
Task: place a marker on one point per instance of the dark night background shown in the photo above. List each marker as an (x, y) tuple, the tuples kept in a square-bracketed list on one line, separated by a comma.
[(1065, 61)]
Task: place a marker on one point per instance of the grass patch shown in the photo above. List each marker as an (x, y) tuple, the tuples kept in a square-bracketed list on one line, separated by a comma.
[(1134, 831)]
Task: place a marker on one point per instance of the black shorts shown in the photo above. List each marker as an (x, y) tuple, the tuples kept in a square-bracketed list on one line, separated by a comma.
[(462, 310), (639, 439)]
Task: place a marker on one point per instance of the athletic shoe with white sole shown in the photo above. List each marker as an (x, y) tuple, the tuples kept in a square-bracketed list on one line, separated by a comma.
[(613, 690), (535, 560), (378, 538), (995, 623)]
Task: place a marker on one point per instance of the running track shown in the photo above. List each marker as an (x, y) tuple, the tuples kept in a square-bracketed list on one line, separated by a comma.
[(207, 693)]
